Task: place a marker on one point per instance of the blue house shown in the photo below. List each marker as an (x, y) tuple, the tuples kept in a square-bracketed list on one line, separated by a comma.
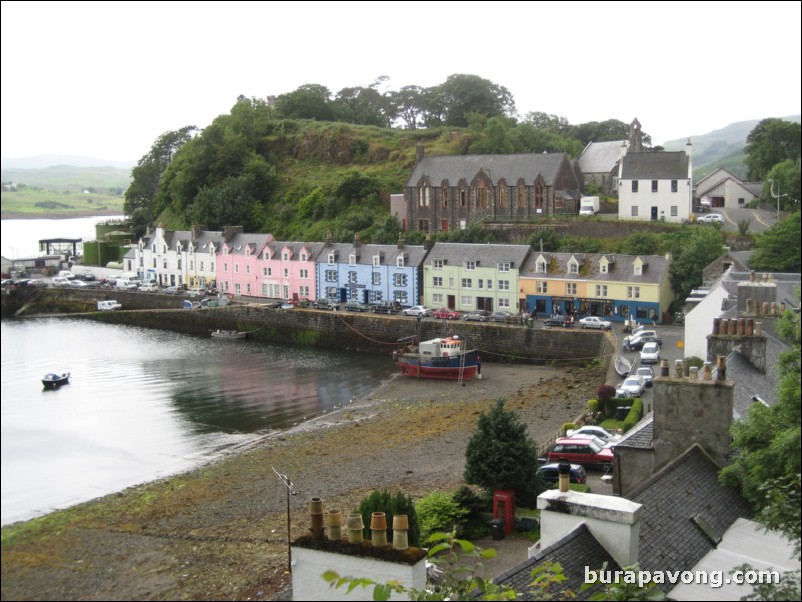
[(370, 273)]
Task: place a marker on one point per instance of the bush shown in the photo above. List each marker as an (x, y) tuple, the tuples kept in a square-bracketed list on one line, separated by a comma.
[(567, 426), (593, 405), (605, 392), (439, 512), (634, 415), (384, 501)]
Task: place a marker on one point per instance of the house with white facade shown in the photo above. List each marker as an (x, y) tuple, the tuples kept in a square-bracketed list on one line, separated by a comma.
[(723, 189)]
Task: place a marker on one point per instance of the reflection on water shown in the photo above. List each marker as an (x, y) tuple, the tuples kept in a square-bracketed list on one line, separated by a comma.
[(145, 403)]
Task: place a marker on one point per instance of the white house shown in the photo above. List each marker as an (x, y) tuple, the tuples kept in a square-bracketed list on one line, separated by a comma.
[(726, 190)]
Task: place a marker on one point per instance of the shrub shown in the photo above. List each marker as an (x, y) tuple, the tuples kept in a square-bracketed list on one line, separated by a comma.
[(384, 501), (634, 415), (605, 392), (438, 512), (593, 406), (567, 426)]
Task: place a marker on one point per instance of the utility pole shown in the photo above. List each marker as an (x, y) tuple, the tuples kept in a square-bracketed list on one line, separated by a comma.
[(290, 491)]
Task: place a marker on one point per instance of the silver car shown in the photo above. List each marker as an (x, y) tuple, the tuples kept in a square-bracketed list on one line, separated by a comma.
[(417, 310)]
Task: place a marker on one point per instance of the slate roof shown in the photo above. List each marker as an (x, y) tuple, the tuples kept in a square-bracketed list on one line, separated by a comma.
[(413, 254), (621, 268), (640, 436), (454, 254), (453, 168), (577, 550), (670, 538), (714, 178), (600, 157), (242, 241), (295, 247), (655, 166)]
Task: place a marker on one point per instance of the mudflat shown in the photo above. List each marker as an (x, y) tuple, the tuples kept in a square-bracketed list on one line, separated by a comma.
[(220, 531)]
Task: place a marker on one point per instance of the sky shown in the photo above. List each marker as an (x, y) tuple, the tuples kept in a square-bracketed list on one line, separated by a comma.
[(106, 79)]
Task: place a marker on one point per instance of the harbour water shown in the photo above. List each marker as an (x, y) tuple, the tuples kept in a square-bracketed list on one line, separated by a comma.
[(147, 403), (20, 237)]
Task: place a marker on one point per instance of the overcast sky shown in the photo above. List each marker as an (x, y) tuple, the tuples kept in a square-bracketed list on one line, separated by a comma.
[(105, 79)]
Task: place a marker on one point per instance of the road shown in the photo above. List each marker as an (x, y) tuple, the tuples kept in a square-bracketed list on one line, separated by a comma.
[(760, 220)]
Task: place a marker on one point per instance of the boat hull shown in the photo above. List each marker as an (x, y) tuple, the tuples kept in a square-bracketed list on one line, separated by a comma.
[(444, 368), (622, 365), (228, 334), (53, 381)]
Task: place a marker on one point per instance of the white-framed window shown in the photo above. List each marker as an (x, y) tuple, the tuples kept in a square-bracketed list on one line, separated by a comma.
[(634, 211), (237, 288), (654, 185), (400, 279), (673, 186), (466, 301), (236, 268), (601, 290), (285, 256), (438, 264), (542, 286), (504, 267), (303, 257), (248, 288), (470, 265), (247, 268), (603, 268), (266, 271), (399, 262), (638, 270), (286, 272), (225, 267), (352, 259), (437, 299), (633, 292), (352, 277), (467, 283), (377, 278), (377, 261), (503, 285), (490, 285), (570, 288), (331, 259), (673, 211), (303, 273), (573, 267), (437, 281), (504, 303), (480, 283), (303, 291), (540, 267), (331, 275)]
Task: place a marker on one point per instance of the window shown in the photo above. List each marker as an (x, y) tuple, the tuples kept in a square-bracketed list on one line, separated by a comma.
[(634, 186), (423, 196), (570, 288), (331, 275), (236, 268), (480, 194), (285, 256), (638, 270), (601, 290), (437, 281), (539, 197), (247, 268), (489, 285), (400, 279), (542, 287), (423, 225), (466, 283), (304, 273), (741, 200), (237, 289), (376, 261), (303, 257), (286, 272), (503, 302), (521, 196), (399, 262), (540, 267), (470, 265), (225, 266), (573, 268), (654, 185), (462, 196), (352, 259), (673, 211), (633, 292), (438, 264), (352, 277), (502, 197), (481, 283), (444, 197), (466, 301), (331, 259), (266, 271), (437, 299), (504, 267), (248, 289), (673, 186), (377, 278), (634, 211), (603, 268), (303, 291), (503, 285)]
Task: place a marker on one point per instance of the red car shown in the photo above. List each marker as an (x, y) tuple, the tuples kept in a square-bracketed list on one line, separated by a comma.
[(580, 450), (446, 314)]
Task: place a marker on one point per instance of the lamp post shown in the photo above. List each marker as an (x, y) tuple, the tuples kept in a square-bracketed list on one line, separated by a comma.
[(777, 196)]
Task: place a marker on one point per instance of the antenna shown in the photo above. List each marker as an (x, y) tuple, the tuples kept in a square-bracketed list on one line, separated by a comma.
[(290, 491)]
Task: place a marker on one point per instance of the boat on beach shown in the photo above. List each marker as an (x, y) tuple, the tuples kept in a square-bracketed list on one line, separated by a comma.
[(444, 358), (622, 365), (228, 334), (52, 380)]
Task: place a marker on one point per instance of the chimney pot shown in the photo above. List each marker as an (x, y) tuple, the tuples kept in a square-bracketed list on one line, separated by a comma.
[(716, 325), (564, 471), (694, 373), (750, 327), (733, 326), (721, 367), (678, 364), (664, 368), (708, 371), (759, 328), (741, 326)]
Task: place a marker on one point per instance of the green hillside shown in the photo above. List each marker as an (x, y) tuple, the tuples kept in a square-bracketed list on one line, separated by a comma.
[(70, 178)]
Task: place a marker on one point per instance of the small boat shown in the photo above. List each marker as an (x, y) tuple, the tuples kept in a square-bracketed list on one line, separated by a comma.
[(622, 365), (53, 381), (228, 334), (444, 358)]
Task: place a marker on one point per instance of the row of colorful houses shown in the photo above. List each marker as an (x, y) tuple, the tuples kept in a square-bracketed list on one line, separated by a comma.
[(463, 277)]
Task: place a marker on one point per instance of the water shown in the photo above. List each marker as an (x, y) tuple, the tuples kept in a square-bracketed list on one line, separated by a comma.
[(20, 237), (146, 403)]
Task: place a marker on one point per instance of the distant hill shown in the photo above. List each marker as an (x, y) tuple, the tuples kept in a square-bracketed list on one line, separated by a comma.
[(720, 148), (42, 161), (69, 178)]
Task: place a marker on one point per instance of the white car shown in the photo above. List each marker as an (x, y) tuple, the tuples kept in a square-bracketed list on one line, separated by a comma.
[(78, 284), (650, 354), (596, 431), (417, 310), (149, 287), (710, 218), (595, 322), (632, 386)]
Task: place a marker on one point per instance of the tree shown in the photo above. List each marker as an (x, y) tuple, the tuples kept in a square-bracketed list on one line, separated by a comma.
[(494, 140), (698, 249), (641, 243), (500, 454), (408, 105), (310, 101), (772, 141), (466, 94), (778, 248), (783, 179)]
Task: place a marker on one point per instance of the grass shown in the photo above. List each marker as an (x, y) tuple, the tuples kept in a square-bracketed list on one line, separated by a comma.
[(32, 201)]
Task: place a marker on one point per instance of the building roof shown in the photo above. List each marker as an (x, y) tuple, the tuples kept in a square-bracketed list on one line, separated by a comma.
[(713, 178), (511, 168), (655, 166), (454, 254), (413, 254), (684, 505), (621, 268), (641, 436), (600, 157), (575, 551)]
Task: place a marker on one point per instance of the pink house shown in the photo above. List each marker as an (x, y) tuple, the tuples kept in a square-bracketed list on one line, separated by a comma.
[(237, 270), (287, 270)]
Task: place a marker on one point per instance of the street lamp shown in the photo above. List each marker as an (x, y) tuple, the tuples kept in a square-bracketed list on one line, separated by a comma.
[(777, 196)]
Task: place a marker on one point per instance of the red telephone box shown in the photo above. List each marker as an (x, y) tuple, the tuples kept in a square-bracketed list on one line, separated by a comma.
[(504, 508)]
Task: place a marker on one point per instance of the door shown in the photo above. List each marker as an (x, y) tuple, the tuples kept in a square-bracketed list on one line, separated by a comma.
[(654, 213), (452, 302)]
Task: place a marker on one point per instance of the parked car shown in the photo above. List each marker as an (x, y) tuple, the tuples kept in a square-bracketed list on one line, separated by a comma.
[(595, 322), (550, 473), (650, 354), (558, 320), (387, 307), (56, 281), (636, 341), (200, 291), (581, 450), (172, 290), (149, 287), (75, 283), (505, 317), (417, 310), (590, 430), (478, 315), (324, 303), (710, 218), (444, 313), (647, 374), (632, 386), (355, 305)]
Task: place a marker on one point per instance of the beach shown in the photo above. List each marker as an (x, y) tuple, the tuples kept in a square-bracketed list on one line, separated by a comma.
[(220, 531)]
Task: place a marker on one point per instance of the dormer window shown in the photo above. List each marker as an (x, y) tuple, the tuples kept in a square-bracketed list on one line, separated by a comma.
[(285, 256), (603, 267), (331, 259), (352, 259), (638, 269), (303, 257), (470, 265), (438, 264), (376, 261), (399, 262), (573, 266), (540, 266), (504, 267)]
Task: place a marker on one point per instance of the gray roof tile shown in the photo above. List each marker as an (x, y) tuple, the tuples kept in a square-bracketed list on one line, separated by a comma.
[(600, 157), (655, 166)]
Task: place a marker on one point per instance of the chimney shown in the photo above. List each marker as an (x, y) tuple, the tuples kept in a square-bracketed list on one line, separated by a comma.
[(230, 231), (419, 153), (401, 241), (564, 471), (197, 229), (357, 242), (739, 334), (328, 237), (613, 521), (428, 243)]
